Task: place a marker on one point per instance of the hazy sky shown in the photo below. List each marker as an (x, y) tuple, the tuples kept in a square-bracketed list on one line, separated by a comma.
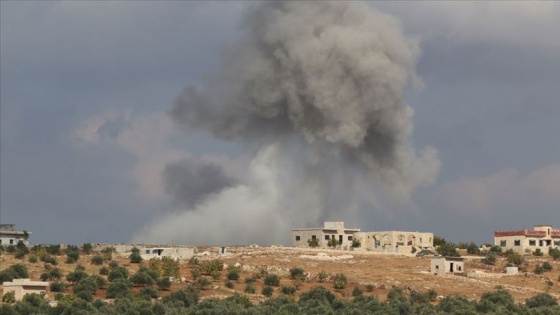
[(89, 152)]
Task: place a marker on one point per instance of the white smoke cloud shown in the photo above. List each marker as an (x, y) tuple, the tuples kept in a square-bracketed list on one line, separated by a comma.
[(319, 87)]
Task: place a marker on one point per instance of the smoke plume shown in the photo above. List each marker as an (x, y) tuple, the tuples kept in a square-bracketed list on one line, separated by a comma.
[(319, 86)]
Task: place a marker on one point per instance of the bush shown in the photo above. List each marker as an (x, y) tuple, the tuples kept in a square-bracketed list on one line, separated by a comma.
[(322, 276), (203, 283), (32, 259), (356, 243), (546, 266), (170, 267), (554, 252), (97, 260), (229, 284), (340, 281), (541, 300), (87, 248), (149, 293), (272, 280), (104, 271), (473, 249), (267, 291), (53, 274), (85, 288), (515, 258), (448, 249), (233, 273), (164, 283), (357, 291), (49, 259), (333, 243), (296, 273), (118, 272), (186, 298), (538, 269), (72, 254), (135, 256), (16, 271), (288, 290), (537, 252), (9, 297), (142, 278), (58, 287), (250, 288), (120, 288), (209, 266), (489, 259), (370, 287), (108, 253), (496, 249), (313, 243), (54, 249), (20, 254), (250, 280)]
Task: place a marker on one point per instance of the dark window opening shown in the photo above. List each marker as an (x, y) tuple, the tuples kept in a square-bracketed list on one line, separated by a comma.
[(314, 237), (503, 243), (340, 239), (350, 237), (532, 243), (517, 243), (297, 238), (327, 237)]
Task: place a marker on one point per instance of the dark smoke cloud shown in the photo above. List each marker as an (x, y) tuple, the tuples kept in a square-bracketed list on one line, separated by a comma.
[(318, 87), (332, 72), (190, 182)]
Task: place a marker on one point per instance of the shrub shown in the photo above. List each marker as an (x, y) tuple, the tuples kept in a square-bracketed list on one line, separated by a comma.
[(250, 288), (322, 276), (97, 260), (185, 298), (203, 283), (104, 271), (20, 254), (32, 259), (267, 291), (120, 288), (473, 249), (340, 281), (370, 288), (164, 283), (554, 252), (87, 248), (515, 258), (149, 293), (170, 267), (296, 272), (49, 259), (10, 249), (195, 273), (58, 287), (546, 266), (16, 271), (288, 290), (448, 249), (313, 243), (85, 288), (357, 291), (272, 280), (142, 278), (9, 297), (233, 273), (250, 280), (538, 269), (209, 266), (135, 257), (53, 274), (72, 254), (541, 300), (333, 243), (489, 259), (356, 243), (118, 272), (54, 249), (496, 249), (108, 253), (215, 274), (537, 252), (229, 284)]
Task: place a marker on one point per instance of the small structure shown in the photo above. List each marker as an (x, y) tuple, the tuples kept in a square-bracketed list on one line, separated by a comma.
[(524, 241), (383, 241), (321, 237), (512, 271), (10, 236), (171, 252), (442, 265), (21, 287)]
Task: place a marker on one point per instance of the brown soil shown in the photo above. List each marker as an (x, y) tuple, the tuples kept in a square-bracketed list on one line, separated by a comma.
[(376, 272)]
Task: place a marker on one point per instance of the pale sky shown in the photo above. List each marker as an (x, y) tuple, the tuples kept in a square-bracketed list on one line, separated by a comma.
[(86, 88)]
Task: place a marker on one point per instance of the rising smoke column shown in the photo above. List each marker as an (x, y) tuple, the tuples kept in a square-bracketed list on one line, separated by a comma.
[(329, 76)]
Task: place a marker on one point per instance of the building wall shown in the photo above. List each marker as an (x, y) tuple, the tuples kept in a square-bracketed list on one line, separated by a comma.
[(11, 238), (527, 241), (172, 252), (447, 265), (21, 287), (394, 241), (336, 230)]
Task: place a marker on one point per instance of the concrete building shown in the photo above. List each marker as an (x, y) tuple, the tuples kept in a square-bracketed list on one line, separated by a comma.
[(172, 252), (21, 287), (527, 241), (395, 241), (10, 236), (320, 237), (442, 265), (384, 241)]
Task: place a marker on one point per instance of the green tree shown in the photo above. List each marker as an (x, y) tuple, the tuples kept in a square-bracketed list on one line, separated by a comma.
[(340, 281), (448, 249), (120, 288), (272, 280), (72, 254), (267, 291), (87, 248), (135, 257)]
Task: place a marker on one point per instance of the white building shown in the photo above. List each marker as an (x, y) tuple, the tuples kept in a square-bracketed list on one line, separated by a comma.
[(383, 241), (10, 236), (524, 241), (453, 265), (21, 287), (171, 252)]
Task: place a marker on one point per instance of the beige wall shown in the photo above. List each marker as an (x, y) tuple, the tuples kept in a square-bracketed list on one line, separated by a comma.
[(394, 241), (21, 287)]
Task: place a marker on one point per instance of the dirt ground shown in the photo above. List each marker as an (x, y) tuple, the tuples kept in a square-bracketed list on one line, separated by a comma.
[(374, 273)]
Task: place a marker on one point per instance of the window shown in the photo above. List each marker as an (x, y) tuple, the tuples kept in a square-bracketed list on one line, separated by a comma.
[(11, 242), (556, 243), (147, 251), (297, 238), (532, 243), (0, 241), (327, 237), (420, 240), (377, 243), (314, 237), (349, 237), (517, 243), (503, 243)]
